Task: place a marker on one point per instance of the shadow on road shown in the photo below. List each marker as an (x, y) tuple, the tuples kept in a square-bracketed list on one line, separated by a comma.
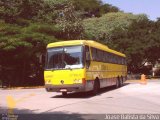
[(26, 114), (87, 94)]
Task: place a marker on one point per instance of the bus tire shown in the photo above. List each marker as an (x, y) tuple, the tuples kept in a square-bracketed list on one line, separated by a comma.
[(122, 81), (96, 87), (64, 93), (117, 83)]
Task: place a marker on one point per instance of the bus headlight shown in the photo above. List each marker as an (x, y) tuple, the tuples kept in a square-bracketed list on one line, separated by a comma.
[(48, 81)]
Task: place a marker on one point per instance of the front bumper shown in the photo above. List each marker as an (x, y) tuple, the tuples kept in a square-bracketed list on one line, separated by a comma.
[(69, 88)]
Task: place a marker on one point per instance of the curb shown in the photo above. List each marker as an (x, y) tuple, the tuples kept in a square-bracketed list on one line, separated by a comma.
[(132, 80), (138, 80)]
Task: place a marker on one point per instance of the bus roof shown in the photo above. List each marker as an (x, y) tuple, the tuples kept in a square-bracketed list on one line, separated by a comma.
[(85, 42)]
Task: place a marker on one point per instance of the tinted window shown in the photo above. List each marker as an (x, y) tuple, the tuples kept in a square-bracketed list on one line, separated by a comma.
[(94, 53), (64, 57), (103, 56)]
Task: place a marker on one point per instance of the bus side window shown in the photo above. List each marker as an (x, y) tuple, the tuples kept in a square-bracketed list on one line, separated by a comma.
[(87, 53), (87, 56), (110, 58), (101, 55), (104, 56), (122, 60), (118, 60), (113, 58), (94, 54), (98, 55), (125, 61)]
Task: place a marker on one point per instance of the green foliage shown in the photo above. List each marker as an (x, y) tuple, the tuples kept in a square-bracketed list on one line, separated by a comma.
[(93, 8), (69, 23), (139, 42), (133, 35), (10, 11), (13, 36), (106, 8), (88, 7), (27, 26), (103, 27), (23, 45)]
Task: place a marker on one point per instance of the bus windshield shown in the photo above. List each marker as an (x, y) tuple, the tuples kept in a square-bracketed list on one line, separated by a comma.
[(64, 57)]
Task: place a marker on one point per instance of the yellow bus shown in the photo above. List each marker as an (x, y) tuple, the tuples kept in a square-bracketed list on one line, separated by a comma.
[(83, 65)]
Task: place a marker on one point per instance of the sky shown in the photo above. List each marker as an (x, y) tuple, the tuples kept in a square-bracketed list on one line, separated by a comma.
[(149, 7)]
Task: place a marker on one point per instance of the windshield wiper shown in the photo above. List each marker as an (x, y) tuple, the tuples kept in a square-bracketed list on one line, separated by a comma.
[(68, 66)]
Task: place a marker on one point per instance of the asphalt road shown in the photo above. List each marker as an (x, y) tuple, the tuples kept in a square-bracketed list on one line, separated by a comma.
[(132, 98)]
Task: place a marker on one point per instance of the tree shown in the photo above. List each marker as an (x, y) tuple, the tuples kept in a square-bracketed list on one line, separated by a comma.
[(15, 9), (153, 42), (87, 8), (107, 8), (69, 23), (27, 26), (127, 33), (139, 43), (102, 28), (93, 8), (20, 48)]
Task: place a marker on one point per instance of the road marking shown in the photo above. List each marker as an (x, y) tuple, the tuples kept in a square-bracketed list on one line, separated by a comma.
[(11, 102), (24, 98)]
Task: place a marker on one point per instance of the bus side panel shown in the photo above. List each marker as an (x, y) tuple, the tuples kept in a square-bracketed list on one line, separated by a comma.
[(107, 73)]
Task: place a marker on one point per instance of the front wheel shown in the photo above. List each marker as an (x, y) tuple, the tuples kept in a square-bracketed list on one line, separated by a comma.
[(121, 81), (64, 93)]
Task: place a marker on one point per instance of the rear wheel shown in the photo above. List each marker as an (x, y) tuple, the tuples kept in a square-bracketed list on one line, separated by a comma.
[(117, 83), (121, 81), (96, 87)]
